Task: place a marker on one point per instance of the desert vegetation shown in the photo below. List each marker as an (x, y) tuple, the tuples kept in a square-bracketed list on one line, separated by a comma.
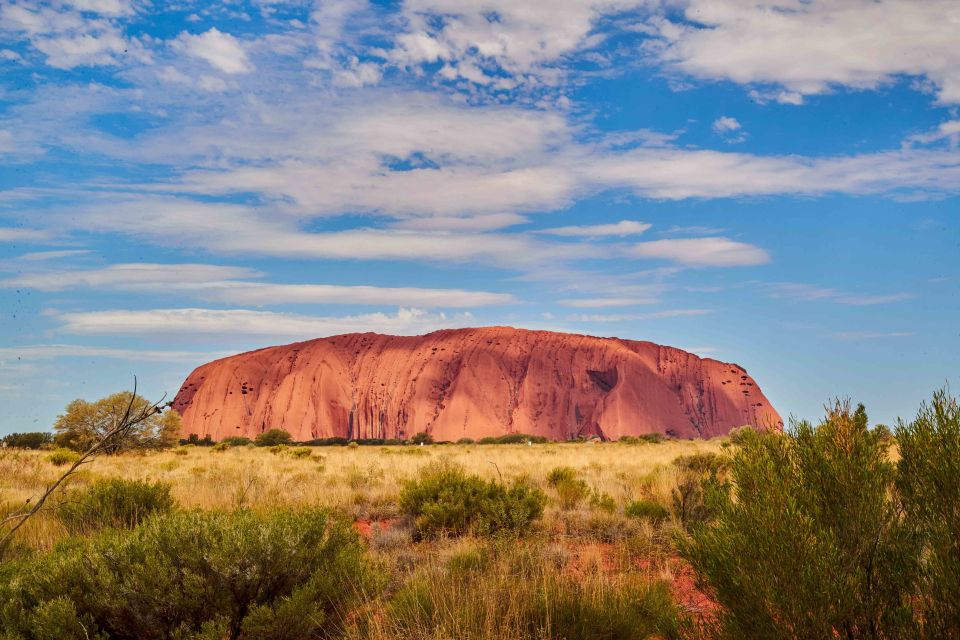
[(832, 529)]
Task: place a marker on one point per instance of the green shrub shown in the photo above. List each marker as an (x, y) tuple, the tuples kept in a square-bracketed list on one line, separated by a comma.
[(646, 438), (301, 452), (421, 438), (279, 449), (737, 434), (513, 438), (602, 501), (62, 457), (113, 503), (524, 594), (698, 472), (571, 490), (929, 486), (466, 441), (272, 438), (285, 575), (182, 450), (236, 441), (220, 447), (444, 500), (810, 545), (32, 440), (647, 510)]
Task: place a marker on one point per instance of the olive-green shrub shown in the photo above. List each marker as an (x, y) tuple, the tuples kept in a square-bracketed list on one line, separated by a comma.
[(113, 503), (443, 500), (571, 490), (929, 485), (809, 544), (284, 575), (512, 592)]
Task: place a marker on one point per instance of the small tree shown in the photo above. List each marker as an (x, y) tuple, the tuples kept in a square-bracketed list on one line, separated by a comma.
[(272, 438), (929, 486), (811, 544), (85, 423)]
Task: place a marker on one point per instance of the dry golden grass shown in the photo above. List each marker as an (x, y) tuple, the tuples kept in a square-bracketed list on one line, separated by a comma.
[(363, 481)]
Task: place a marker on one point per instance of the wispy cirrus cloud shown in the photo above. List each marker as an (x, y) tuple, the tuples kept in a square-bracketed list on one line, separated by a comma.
[(244, 322), (232, 285), (704, 252)]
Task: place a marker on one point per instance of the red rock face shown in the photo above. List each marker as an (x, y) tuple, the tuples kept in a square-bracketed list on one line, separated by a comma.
[(471, 383)]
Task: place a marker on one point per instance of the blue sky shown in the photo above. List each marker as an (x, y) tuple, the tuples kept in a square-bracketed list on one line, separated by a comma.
[(774, 183)]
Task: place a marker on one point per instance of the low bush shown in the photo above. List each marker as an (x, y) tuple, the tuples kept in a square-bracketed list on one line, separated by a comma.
[(421, 438), (466, 441), (285, 575), (113, 503), (62, 457), (513, 438), (301, 452), (32, 440), (197, 441), (698, 472), (524, 594), (571, 490), (443, 500), (236, 441), (737, 434), (272, 437), (647, 510), (646, 438)]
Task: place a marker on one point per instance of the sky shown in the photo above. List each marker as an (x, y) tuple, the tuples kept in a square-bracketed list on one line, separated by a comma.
[(774, 183)]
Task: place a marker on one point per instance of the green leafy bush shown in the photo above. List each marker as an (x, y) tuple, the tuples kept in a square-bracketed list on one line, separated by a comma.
[(444, 500), (810, 544), (113, 502), (284, 575), (301, 452), (273, 437), (421, 438), (647, 510), (571, 490), (929, 486), (466, 441), (236, 441), (513, 438), (646, 438), (61, 457), (698, 472), (738, 434)]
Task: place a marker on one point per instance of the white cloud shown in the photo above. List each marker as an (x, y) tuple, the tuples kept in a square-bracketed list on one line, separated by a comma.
[(807, 293), (629, 317), (808, 47), (55, 351), (241, 322), (725, 124), (949, 130), (130, 277), (68, 39), (16, 234), (621, 229), (221, 50), (229, 284), (712, 252), (871, 335)]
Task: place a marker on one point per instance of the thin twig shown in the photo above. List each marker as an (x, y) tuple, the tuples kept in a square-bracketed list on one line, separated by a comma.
[(119, 429)]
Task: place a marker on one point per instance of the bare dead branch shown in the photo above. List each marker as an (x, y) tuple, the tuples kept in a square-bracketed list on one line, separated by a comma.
[(121, 428)]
